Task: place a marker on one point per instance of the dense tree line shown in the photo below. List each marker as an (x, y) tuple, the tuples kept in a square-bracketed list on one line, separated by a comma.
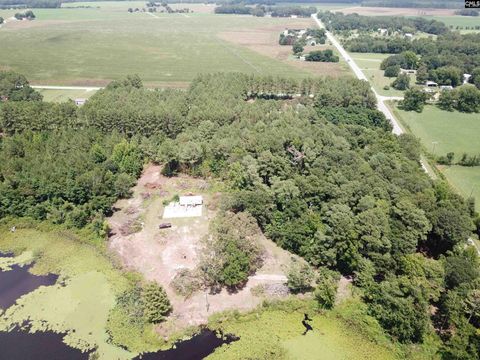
[(7, 4), (322, 56), (463, 98), (439, 4), (337, 189), (339, 21), (453, 49), (66, 176), (467, 12), (15, 87), (262, 10)]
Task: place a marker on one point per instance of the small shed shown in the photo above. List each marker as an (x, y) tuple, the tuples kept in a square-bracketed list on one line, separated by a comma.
[(466, 78), (431, 83), (446, 87), (408, 36)]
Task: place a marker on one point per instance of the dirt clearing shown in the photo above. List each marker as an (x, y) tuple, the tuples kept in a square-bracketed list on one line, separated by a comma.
[(160, 254)]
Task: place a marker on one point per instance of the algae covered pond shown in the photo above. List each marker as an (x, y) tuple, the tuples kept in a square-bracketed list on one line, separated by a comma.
[(17, 344)]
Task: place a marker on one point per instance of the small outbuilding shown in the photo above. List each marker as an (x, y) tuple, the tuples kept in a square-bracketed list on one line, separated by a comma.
[(80, 101)]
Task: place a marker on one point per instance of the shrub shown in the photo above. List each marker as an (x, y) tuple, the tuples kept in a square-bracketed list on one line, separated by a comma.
[(392, 71), (300, 277), (186, 282), (325, 294)]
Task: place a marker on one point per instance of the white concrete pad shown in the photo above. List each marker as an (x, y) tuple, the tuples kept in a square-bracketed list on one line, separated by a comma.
[(175, 210)]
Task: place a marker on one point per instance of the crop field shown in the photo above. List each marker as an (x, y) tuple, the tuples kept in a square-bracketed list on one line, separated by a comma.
[(442, 132), (92, 46)]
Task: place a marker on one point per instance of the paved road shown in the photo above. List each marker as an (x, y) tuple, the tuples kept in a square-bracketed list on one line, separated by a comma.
[(397, 130), (380, 99)]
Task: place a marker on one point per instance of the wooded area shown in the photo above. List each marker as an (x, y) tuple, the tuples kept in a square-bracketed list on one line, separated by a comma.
[(332, 186)]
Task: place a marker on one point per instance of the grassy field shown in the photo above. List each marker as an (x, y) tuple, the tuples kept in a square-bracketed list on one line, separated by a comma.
[(466, 180), (370, 65), (95, 45), (442, 132)]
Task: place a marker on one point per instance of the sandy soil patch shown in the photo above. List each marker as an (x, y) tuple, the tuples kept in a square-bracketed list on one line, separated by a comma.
[(264, 40), (159, 254), (396, 11)]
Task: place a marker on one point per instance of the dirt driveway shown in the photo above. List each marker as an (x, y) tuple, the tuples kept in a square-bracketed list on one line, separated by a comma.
[(159, 254)]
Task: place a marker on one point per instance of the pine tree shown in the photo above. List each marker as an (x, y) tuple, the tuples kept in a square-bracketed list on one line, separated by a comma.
[(156, 303)]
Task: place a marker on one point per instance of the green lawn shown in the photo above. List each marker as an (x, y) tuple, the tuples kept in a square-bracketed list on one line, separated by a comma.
[(442, 132), (370, 65), (93, 46), (466, 180)]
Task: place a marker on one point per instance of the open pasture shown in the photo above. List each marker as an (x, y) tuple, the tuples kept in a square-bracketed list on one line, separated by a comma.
[(370, 65), (441, 132), (92, 46)]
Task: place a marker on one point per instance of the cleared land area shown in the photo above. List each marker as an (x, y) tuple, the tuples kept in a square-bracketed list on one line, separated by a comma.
[(442, 132), (92, 46), (159, 254)]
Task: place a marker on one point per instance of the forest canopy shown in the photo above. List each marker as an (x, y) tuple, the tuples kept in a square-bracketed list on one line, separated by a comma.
[(312, 162)]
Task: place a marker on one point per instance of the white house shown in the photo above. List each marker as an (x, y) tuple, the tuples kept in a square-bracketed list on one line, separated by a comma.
[(446, 87), (466, 78), (408, 36), (431, 84)]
